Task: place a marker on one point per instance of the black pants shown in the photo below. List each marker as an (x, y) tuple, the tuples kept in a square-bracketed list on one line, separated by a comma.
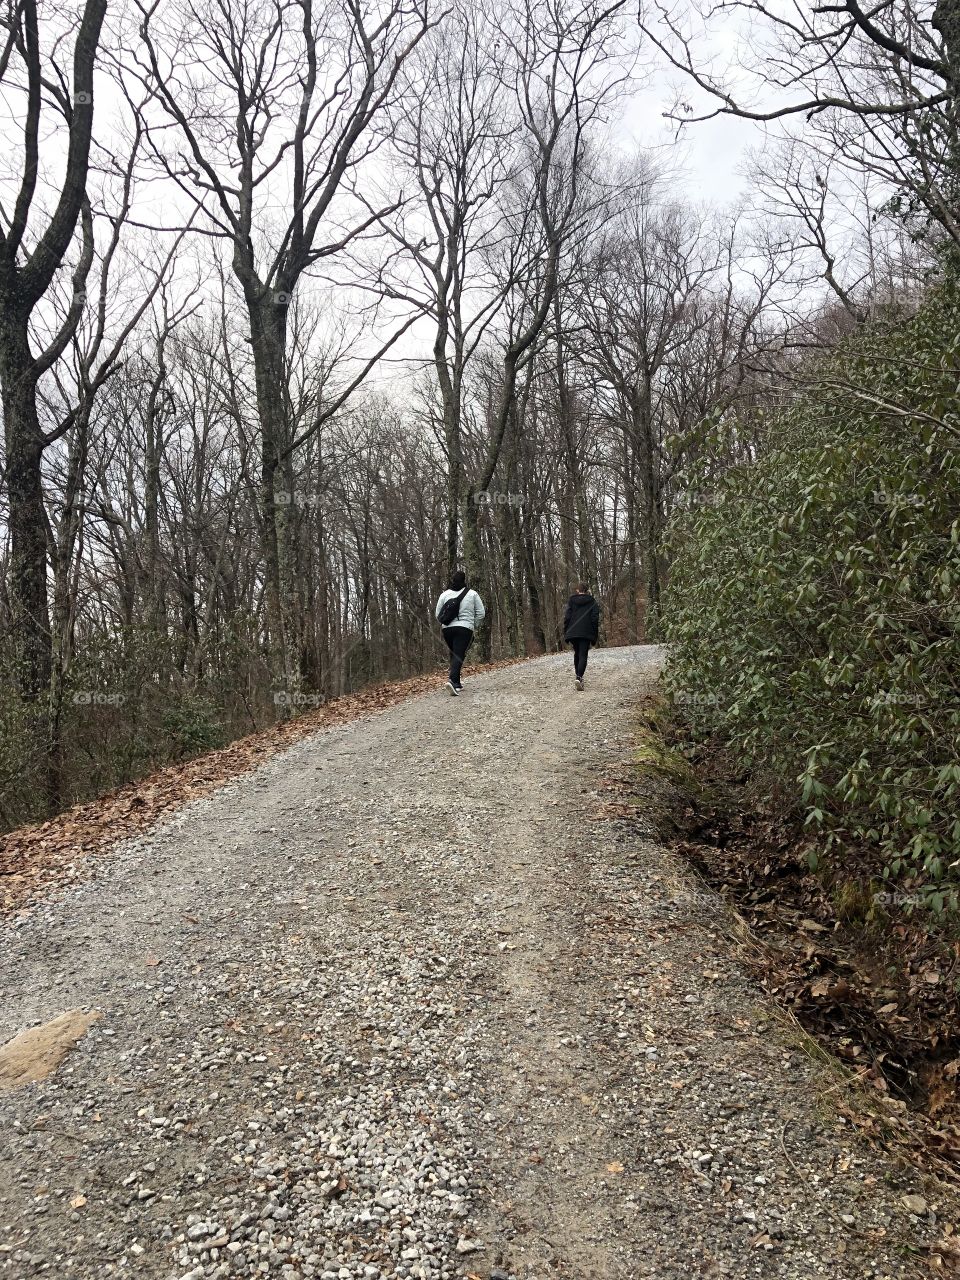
[(580, 650), (459, 640)]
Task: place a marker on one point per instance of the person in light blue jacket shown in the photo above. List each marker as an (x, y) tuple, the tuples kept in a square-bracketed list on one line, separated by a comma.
[(459, 612)]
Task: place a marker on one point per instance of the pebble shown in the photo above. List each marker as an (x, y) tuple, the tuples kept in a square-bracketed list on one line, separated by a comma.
[(336, 1073)]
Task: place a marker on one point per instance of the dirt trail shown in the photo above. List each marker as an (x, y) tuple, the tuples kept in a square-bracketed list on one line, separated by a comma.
[(400, 1004)]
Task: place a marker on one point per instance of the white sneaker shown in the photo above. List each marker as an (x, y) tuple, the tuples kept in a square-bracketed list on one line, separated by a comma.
[(454, 691)]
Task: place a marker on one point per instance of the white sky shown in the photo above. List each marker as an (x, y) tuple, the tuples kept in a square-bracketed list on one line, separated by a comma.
[(709, 155), (706, 162)]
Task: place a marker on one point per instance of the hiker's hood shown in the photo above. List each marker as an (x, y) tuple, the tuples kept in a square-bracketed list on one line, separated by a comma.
[(577, 598)]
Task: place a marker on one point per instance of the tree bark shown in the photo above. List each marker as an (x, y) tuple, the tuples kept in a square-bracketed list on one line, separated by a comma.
[(27, 518), (22, 285)]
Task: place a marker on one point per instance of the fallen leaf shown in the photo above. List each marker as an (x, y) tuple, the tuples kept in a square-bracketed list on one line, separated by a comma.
[(948, 1246), (78, 1202), (152, 960), (615, 1167)]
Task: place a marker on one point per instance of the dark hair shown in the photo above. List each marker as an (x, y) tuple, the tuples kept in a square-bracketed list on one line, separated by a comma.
[(582, 588), (458, 580)]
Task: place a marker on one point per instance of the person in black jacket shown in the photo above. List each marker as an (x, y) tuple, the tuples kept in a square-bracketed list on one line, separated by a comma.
[(581, 626)]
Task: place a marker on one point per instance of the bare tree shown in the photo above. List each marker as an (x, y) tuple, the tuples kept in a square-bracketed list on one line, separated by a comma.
[(568, 68), (880, 82), (457, 137), (675, 310), (285, 93), (34, 243), (97, 348)]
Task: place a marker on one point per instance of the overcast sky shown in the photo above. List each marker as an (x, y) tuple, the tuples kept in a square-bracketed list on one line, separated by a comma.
[(710, 154), (707, 161)]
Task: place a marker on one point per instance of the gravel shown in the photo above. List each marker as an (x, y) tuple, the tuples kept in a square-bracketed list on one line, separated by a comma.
[(401, 1004)]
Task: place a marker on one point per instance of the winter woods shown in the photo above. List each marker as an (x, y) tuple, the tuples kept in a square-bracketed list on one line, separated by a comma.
[(303, 304)]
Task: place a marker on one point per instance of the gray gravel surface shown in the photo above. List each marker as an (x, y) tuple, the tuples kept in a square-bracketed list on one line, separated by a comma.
[(400, 1004)]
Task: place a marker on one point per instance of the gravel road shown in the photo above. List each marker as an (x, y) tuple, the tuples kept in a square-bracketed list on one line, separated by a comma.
[(401, 1004)]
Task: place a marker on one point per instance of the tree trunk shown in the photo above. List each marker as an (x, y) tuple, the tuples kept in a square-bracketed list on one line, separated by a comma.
[(473, 556), (152, 578), (630, 502), (450, 398), (68, 536), (268, 333), (28, 564), (533, 589), (651, 535)]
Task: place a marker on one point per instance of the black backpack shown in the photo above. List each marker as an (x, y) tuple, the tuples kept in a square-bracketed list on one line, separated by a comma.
[(451, 609)]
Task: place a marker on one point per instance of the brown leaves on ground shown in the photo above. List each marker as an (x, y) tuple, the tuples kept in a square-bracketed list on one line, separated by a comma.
[(37, 857), (882, 994)]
